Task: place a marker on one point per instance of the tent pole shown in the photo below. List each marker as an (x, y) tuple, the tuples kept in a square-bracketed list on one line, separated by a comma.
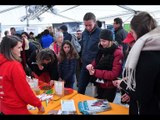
[(27, 17)]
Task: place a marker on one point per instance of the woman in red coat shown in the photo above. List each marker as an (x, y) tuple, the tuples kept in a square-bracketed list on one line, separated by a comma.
[(107, 66), (15, 92)]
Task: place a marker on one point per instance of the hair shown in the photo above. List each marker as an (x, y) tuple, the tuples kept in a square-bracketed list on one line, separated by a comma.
[(72, 53), (142, 23), (99, 23), (118, 21), (6, 32), (31, 33), (45, 32), (64, 28), (89, 16), (12, 28), (25, 33), (45, 54), (9, 42), (58, 34)]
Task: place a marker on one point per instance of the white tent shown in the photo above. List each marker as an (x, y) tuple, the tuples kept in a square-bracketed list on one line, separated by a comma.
[(14, 15)]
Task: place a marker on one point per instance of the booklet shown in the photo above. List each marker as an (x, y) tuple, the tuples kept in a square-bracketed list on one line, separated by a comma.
[(68, 107), (93, 106)]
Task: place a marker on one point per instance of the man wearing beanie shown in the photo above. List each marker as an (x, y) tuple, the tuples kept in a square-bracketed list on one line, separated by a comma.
[(107, 66)]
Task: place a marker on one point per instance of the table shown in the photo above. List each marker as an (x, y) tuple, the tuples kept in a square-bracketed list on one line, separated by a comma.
[(53, 103), (116, 109)]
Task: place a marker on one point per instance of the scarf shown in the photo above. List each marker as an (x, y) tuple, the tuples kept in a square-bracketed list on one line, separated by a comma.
[(148, 42)]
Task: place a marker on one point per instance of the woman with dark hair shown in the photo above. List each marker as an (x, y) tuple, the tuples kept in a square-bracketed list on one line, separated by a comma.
[(44, 65), (142, 67), (68, 63), (15, 92)]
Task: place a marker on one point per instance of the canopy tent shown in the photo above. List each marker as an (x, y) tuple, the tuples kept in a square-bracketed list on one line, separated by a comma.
[(14, 14), (39, 15)]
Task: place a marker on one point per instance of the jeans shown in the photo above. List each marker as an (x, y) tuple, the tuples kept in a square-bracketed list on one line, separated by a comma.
[(83, 81)]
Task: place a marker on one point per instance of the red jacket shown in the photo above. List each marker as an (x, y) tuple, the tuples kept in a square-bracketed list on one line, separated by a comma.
[(15, 92), (107, 75)]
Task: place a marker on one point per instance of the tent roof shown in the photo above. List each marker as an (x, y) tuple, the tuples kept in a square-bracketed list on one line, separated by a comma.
[(12, 14)]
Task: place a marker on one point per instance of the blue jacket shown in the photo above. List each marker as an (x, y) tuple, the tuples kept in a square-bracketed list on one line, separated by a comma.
[(67, 69), (46, 40), (90, 45)]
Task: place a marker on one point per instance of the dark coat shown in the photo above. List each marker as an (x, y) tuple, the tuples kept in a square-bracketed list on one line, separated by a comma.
[(90, 42), (148, 82)]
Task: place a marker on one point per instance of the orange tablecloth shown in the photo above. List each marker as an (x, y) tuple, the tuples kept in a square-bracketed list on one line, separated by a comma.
[(53, 103), (116, 109)]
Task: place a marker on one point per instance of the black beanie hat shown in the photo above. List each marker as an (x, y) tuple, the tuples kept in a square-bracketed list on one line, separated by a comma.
[(106, 35)]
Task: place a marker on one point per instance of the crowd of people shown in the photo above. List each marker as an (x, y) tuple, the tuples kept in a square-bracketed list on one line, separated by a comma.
[(120, 61)]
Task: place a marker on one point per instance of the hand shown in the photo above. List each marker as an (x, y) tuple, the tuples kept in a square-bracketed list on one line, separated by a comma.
[(40, 67), (117, 83), (125, 98), (89, 67), (41, 109), (51, 83), (92, 71)]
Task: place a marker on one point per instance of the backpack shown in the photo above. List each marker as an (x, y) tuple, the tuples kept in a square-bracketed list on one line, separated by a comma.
[(75, 43), (36, 44)]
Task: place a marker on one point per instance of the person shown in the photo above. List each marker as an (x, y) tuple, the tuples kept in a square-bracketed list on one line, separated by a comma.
[(64, 30), (99, 23), (107, 66), (6, 33), (56, 45), (142, 65), (27, 49), (31, 35), (90, 40), (68, 63), (13, 31), (127, 96), (120, 33), (15, 92), (44, 65), (46, 39)]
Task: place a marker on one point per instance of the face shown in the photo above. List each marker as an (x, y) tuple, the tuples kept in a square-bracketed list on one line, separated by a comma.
[(104, 43), (13, 31), (24, 36), (79, 34), (59, 39), (116, 26), (66, 48), (17, 49), (133, 34), (89, 25)]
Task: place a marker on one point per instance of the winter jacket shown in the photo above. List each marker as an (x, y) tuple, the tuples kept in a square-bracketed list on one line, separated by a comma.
[(46, 40), (111, 70), (148, 82), (90, 42), (67, 69), (15, 92)]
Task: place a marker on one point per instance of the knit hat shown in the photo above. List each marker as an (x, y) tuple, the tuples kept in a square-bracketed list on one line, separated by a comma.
[(63, 27), (106, 35), (129, 38)]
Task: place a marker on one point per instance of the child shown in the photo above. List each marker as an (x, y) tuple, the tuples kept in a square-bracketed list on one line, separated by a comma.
[(67, 65)]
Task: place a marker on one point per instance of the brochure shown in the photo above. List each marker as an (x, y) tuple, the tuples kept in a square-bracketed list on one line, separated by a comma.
[(93, 106), (68, 107)]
